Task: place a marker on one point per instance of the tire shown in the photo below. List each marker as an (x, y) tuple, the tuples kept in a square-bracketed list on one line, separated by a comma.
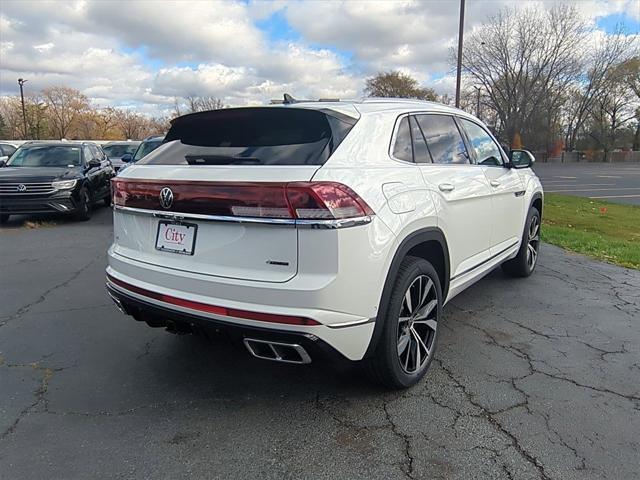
[(4, 218), (400, 360), (83, 211), (107, 201), (524, 263)]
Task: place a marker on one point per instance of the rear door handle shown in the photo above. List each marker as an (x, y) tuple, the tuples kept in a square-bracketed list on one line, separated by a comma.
[(494, 183), (446, 187)]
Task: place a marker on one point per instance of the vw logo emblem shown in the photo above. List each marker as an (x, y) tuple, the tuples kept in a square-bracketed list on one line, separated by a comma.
[(166, 197), (22, 188)]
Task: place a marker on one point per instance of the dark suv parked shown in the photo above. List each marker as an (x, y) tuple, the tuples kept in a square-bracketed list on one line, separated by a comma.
[(45, 177)]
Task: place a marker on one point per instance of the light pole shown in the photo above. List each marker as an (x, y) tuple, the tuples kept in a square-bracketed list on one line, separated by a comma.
[(21, 82), (459, 70)]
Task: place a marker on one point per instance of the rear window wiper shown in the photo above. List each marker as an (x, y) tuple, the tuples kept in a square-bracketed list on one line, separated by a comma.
[(221, 160)]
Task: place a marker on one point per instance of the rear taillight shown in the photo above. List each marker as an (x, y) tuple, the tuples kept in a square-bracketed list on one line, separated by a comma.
[(293, 200), (325, 200)]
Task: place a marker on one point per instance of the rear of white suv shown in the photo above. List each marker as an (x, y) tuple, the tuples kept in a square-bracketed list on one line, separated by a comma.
[(294, 230)]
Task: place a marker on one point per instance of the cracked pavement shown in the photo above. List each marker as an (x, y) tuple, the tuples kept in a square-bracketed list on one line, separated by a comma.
[(534, 378)]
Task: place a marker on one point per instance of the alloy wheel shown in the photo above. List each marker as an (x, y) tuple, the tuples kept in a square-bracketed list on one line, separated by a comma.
[(417, 324), (533, 241)]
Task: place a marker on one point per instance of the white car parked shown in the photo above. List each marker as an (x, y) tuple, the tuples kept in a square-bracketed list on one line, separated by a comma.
[(315, 228)]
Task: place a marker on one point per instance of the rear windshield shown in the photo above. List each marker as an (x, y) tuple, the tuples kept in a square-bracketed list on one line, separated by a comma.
[(146, 148), (253, 136), (120, 149)]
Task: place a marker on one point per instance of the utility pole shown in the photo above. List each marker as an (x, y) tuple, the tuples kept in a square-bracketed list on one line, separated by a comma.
[(459, 72), (21, 82)]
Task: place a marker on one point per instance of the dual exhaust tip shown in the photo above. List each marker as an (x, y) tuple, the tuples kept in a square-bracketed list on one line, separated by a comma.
[(277, 351)]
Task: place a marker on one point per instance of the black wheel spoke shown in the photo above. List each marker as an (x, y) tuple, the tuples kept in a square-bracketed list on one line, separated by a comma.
[(417, 324)]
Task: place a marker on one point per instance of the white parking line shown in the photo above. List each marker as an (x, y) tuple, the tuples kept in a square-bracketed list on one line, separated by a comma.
[(560, 176), (593, 189), (555, 185), (617, 196), (607, 176)]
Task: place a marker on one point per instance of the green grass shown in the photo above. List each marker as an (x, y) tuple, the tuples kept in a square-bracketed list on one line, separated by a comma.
[(606, 231)]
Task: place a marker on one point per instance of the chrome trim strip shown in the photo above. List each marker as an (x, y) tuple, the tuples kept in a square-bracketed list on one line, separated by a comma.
[(43, 192), (469, 270), (342, 223), (207, 218), (351, 324)]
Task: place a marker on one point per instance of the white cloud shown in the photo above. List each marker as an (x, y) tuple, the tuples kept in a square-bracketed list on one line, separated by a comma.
[(144, 54)]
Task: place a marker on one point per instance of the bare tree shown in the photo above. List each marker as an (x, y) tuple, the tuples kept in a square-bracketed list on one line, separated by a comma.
[(525, 60), (37, 117), (200, 104), (11, 112), (397, 84), (607, 54), (629, 73), (611, 111), (132, 125), (65, 106)]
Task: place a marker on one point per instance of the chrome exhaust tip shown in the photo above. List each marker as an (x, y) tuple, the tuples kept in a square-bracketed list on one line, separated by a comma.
[(277, 351), (118, 303)]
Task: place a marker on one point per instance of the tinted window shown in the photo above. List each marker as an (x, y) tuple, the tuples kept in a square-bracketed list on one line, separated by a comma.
[(253, 136), (486, 150), (443, 139), (116, 151), (146, 148), (7, 150), (45, 156), (402, 149), (420, 151), (95, 152)]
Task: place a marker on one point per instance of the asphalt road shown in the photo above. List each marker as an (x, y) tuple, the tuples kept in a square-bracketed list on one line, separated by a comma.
[(613, 182), (534, 379)]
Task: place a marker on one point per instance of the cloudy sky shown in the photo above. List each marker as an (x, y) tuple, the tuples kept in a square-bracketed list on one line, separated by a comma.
[(144, 54)]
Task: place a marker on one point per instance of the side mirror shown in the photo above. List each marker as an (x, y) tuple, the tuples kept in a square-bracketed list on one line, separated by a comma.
[(127, 157), (94, 162), (521, 159), (3, 161)]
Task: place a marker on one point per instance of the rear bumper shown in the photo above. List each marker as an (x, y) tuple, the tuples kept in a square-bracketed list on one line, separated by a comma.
[(158, 306), (181, 322)]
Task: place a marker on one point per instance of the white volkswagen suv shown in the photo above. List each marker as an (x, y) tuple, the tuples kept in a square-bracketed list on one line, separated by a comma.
[(309, 229)]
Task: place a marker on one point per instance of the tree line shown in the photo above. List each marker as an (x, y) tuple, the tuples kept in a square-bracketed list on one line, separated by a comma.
[(541, 79), (546, 80), (61, 112)]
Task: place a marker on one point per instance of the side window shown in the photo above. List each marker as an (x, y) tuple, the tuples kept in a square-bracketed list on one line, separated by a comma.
[(420, 150), (402, 149), (443, 139), (486, 150), (7, 150), (95, 153), (88, 154)]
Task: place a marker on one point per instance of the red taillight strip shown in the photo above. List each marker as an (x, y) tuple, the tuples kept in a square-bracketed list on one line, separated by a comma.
[(205, 307), (321, 200)]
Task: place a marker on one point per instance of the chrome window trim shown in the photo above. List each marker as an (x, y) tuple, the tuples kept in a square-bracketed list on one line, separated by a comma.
[(394, 135), (503, 154), (318, 224), (448, 114)]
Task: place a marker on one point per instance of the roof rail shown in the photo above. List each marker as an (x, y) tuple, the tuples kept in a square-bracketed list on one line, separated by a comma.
[(288, 99), (393, 100)]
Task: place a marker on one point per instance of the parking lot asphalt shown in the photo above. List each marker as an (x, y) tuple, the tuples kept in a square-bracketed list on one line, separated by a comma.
[(613, 182), (534, 378)]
